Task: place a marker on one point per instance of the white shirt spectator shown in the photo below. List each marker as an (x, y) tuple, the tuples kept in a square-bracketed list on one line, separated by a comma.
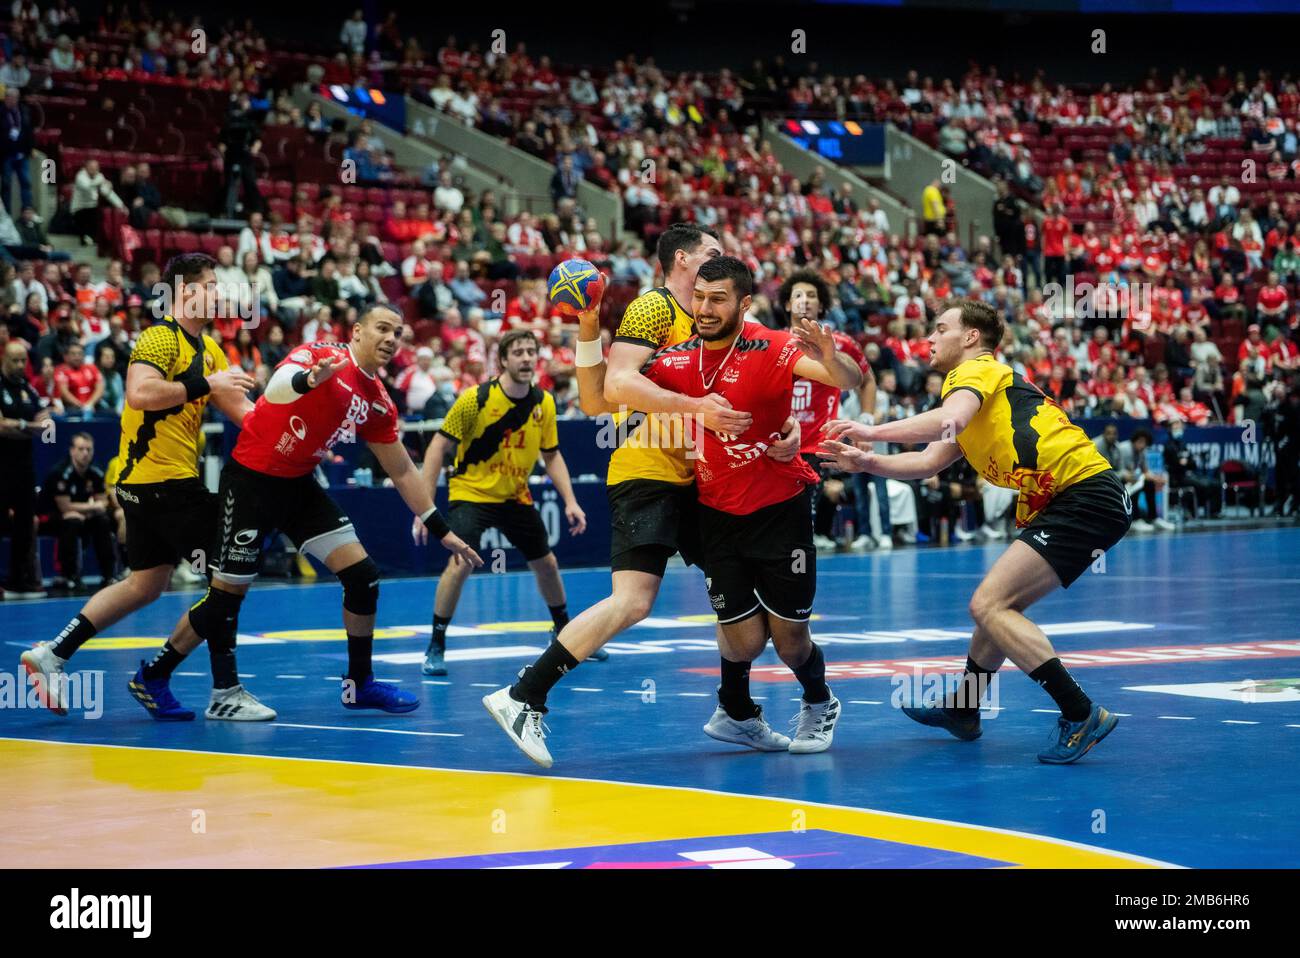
[(87, 190), (15, 76), (1224, 196), (1203, 353), (418, 384), (23, 290), (524, 239), (448, 198), (63, 58), (251, 243), (464, 106), (353, 35)]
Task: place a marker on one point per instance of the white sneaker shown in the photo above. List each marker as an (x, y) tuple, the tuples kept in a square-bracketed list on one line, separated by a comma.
[(1164, 525), (825, 542), (862, 543), (522, 723), (1141, 525), (961, 535), (237, 705), (815, 726), (46, 670), (885, 542), (754, 733), (991, 533)]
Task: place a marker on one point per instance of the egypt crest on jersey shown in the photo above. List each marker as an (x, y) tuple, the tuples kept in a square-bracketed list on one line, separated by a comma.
[(289, 439)]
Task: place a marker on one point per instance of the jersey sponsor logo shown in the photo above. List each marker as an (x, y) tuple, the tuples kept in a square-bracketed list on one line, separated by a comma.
[(244, 536), (298, 426), (731, 375), (123, 494), (357, 415), (286, 444), (302, 356)]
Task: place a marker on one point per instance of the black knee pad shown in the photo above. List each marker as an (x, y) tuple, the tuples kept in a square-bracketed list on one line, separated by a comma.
[(360, 587), (215, 618)]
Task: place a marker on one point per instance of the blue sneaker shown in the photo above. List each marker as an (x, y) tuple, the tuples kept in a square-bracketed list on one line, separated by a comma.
[(1072, 740), (157, 699), (434, 662), (956, 722), (378, 695)]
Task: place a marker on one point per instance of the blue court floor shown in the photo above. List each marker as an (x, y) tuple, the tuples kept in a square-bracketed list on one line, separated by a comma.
[(1194, 640)]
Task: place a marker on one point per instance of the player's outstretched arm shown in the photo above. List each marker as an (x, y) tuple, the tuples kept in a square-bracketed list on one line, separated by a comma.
[(148, 390), (944, 423), (434, 458), (849, 457), (821, 361), (408, 482), (558, 470), (590, 366), (629, 388)]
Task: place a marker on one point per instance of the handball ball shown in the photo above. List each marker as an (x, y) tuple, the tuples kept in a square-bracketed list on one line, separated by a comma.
[(574, 286)]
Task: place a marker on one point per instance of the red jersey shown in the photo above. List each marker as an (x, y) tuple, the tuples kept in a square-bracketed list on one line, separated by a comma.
[(1055, 231), (814, 404), (81, 382), (289, 439), (756, 374)]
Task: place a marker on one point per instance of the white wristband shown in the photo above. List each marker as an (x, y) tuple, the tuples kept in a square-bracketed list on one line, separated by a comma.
[(589, 353)]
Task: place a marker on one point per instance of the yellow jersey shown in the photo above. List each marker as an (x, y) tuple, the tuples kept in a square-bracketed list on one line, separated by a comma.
[(498, 441), (1020, 439), (164, 444), (652, 446)]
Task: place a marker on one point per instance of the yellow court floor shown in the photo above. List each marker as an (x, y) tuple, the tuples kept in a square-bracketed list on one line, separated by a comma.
[(72, 805)]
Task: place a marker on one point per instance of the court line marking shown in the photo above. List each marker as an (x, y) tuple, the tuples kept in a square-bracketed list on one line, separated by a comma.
[(578, 688), (1238, 722), (784, 800), (362, 728), (1178, 718), (291, 676)]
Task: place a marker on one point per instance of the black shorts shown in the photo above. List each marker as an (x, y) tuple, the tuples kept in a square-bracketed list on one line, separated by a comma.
[(765, 560), (253, 505), (1080, 524), (521, 524), (168, 522), (650, 520)]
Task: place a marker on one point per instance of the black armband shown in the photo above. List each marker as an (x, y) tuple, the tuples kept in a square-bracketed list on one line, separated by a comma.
[(435, 524), (196, 387), (299, 382)]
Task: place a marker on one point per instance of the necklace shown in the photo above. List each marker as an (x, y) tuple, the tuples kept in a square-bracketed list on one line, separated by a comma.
[(708, 383)]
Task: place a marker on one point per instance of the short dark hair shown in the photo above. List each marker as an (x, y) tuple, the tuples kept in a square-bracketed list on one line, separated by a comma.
[(377, 308), (81, 435), (1144, 435), (512, 337), (812, 278), (976, 314), (679, 236), (186, 268), (728, 267)]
